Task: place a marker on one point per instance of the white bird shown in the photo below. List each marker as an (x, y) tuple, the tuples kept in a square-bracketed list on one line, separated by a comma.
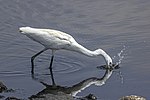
[(56, 40)]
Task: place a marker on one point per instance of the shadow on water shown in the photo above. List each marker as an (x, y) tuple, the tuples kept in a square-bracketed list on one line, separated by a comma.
[(57, 92)]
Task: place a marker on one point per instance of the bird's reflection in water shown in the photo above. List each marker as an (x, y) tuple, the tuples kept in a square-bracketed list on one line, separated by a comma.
[(56, 92)]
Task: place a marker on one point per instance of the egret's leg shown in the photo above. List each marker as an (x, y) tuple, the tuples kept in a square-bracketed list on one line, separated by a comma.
[(51, 71), (32, 59)]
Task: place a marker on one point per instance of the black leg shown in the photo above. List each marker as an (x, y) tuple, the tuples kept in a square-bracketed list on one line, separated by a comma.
[(32, 60), (51, 71)]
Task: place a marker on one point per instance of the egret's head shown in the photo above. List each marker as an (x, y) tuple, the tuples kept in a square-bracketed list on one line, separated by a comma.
[(107, 58), (25, 29), (109, 61)]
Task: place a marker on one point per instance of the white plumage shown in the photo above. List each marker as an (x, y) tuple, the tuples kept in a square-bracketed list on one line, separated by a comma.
[(56, 40)]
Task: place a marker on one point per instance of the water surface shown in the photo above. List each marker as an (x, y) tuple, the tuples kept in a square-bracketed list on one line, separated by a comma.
[(113, 25)]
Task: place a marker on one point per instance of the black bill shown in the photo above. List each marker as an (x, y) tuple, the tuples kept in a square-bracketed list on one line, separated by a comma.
[(114, 66)]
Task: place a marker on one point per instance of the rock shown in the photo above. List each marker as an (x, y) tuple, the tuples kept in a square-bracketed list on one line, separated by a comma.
[(1, 97), (60, 96), (88, 97), (2, 87), (91, 97), (12, 98), (132, 97)]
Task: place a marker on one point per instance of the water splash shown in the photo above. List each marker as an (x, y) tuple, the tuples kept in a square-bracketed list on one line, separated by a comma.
[(120, 57)]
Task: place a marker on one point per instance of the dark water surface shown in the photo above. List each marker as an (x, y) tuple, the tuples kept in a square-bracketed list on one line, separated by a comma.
[(113, 25)]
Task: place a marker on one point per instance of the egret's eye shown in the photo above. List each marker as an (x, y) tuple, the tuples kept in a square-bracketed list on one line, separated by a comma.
[(110, 64)]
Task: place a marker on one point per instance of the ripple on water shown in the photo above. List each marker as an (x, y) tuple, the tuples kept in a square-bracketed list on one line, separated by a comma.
[(67, 65), (63, 64), (12, 73)]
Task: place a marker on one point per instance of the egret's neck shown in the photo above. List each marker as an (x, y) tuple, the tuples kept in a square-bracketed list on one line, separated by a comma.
[(79, 48)]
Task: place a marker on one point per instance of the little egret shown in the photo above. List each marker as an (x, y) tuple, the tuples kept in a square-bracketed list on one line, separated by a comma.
[(56, 40)]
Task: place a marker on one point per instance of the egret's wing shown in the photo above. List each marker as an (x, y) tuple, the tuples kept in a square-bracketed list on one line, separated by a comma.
[(60, 35)]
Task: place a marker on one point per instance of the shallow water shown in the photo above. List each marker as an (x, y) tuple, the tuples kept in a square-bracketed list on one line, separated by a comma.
[(113, 25)]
